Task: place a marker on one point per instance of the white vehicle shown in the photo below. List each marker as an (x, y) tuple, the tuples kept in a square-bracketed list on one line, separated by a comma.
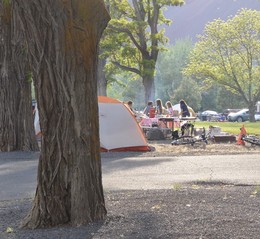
[(257, 116)]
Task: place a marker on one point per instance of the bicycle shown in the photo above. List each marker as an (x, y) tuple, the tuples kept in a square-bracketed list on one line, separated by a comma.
[(191, 140), (252, 139)]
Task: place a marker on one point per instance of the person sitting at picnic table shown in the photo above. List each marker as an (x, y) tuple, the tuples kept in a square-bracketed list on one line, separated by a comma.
[(149, 110), (130, 105), (169, 108), (186, 111), (160, 110)]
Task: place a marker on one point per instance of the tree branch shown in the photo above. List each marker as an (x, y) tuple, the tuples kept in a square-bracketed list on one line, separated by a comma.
[(127, 68), (119, 29)]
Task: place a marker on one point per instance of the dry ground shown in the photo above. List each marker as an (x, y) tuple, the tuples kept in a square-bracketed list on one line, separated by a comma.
[(164, 147), (207, 211), (201, 212)]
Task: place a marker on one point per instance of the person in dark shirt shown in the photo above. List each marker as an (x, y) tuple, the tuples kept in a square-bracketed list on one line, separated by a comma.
[(186, 111)]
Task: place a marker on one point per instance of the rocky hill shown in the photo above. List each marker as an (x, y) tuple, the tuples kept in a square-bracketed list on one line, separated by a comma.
[(190, 19)]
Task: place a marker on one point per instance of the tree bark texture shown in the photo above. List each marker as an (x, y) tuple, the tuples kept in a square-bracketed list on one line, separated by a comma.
[(63, 37), (16, 117), (149, 88)]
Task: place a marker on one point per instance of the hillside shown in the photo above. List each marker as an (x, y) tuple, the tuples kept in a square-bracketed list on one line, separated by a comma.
[(190, 19)]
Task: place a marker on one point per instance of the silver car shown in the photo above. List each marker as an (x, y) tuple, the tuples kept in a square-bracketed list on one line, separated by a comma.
[(240, 116)]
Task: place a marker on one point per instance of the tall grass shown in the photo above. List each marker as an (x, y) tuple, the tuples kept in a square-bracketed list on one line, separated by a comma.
[(232, 127)]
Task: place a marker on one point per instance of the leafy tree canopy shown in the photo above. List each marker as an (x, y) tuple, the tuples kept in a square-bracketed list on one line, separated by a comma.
[(133, 39), (169, 68), (190, 92), (229, 54)]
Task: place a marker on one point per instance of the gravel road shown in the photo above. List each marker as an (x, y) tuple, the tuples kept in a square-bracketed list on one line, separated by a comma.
[(150, 195)]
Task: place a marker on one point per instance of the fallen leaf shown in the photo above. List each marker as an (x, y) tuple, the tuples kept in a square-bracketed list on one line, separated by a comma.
[(9, 230), (194, 186), (156, 207)]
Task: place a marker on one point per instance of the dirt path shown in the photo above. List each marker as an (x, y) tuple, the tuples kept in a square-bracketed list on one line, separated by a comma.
[(207, 209)]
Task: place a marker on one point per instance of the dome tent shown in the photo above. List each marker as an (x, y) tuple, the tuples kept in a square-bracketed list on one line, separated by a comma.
[(118, 129)]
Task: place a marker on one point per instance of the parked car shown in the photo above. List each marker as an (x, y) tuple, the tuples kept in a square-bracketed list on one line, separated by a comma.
[(240, 116), (257, 116), (208, 115), (226, 112)]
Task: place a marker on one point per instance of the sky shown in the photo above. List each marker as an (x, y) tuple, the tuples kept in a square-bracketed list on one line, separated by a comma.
[(191, 18)]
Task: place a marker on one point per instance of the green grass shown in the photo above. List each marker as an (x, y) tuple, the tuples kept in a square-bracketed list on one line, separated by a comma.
[(232, 127)]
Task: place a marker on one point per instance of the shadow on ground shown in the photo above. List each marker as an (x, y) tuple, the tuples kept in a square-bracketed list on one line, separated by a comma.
[(189, 211)]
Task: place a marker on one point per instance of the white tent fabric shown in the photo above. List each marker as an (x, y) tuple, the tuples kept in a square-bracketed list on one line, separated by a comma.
[(177, 107), (118, 129), (36, 121)]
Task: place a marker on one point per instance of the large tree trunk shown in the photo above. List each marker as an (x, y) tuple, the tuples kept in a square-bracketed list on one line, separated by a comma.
[(16, 118), (62, 38), (148, 77), (149, 88), (252, 108)]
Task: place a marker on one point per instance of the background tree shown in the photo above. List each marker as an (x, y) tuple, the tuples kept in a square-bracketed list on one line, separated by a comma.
[(16, 117), (134, 39), (169, 68), (123, 87), (190, 92), (229, 54), (103, 78), (134, 91), (218, 98), (228, 100), (102, 81), (62, 39), (169, 81)]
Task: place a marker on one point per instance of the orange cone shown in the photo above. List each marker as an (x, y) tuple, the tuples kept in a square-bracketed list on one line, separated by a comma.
[(242, 133)]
